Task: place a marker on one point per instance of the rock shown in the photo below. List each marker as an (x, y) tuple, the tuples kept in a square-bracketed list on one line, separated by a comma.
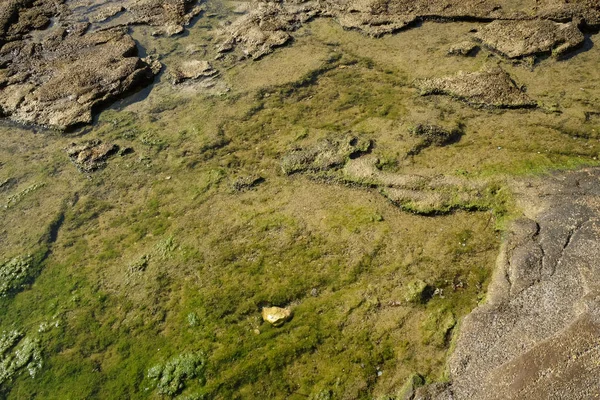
[(91, 155), (537, 335), (407, 391), (464, 49), (276, 316), (59, 84), (266, 25), (517, 39), (487, 88), (105, 13), (416, 291), (325, 154), (192, 69)]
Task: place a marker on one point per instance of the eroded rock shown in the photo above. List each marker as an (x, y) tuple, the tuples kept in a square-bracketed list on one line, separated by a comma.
[(91, 155), (464, 49), (59, 84), (515, 39), (487, 88)]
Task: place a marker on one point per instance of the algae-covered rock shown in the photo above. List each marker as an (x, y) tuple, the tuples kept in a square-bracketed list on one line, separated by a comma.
[(276, 316), (325, 154), (171, 376), (191, 69), (433, 135), (407, 390), (416, 291), (488, 88), (14, 273)]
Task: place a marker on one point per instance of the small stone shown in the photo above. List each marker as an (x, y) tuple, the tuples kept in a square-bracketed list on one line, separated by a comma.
[(314, 292), (276, 316)]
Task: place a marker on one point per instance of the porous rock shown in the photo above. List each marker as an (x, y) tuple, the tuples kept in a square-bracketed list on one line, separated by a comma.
[(515, 39)]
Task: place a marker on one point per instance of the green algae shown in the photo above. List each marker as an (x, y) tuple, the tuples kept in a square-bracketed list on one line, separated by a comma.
[(157, 258)]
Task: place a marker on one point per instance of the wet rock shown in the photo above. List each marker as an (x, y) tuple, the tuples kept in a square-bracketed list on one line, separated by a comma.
[(265, 27), (465, 49), (192, 69), (325, 154), (516, 39), (58, 84), (171, 15), (91, 155), (276, 316), (487, 88)]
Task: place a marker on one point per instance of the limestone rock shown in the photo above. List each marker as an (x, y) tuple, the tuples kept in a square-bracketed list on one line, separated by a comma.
[(487, 88), (515, 39), (276, 316)]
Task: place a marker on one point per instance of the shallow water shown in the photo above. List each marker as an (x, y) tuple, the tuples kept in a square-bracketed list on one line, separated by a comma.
[(158, 255)]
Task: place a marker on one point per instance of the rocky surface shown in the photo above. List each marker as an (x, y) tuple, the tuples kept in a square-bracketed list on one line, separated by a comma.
[(83, 59), (267, 25), (92, 155), (59, 84), (487, 88), (515, 39), (537, 335)]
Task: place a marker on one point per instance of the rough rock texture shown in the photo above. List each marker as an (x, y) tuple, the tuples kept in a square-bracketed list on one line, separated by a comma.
[(92, 155), (487, 88), (268, 24), (57, 76), (324, 155), (537, 337), (515, 39), (59, 83)]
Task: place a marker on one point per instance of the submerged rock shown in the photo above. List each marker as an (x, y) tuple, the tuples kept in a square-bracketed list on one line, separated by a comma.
[(192, 69), (92, 155), (276, 316), (516, 39), (325, 154), (487, 88)]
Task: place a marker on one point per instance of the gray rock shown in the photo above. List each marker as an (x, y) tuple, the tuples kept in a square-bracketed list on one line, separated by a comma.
[(537, 335)]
